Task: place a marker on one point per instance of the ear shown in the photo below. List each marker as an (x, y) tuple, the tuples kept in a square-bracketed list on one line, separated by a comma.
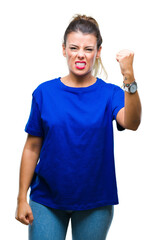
[(63, 49), (98, 52)]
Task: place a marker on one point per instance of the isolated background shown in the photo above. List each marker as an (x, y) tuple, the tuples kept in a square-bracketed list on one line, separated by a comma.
[(31, 53)]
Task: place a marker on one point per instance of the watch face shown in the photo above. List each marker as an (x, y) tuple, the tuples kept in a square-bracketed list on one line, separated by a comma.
[(133, 88)]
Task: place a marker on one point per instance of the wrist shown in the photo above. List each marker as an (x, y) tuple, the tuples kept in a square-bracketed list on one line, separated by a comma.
[(22, 197), (19, 200), (130, 87), (128, 77)]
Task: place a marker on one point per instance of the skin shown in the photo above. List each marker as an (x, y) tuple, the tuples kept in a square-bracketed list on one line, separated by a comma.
[(130, 116), (79, 47), (29, 161)]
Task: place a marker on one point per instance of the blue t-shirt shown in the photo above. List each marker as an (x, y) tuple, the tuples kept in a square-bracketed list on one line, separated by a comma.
[(76, 169)]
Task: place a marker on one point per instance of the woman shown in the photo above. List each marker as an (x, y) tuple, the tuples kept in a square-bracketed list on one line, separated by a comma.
[(70, 132)]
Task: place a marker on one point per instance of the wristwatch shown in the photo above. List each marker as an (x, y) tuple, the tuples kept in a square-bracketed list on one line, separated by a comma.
[(130, 88)]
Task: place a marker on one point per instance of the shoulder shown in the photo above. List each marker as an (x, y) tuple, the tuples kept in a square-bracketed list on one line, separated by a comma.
[(110, 86), (44, 86)]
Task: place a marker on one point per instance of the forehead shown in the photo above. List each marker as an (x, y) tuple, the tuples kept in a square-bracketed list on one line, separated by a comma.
[(79, 38)]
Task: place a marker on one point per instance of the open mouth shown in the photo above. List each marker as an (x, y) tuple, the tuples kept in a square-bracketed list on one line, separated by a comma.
[(80, 65)]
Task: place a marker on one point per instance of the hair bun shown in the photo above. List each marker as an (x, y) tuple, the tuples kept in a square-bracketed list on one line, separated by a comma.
[(78, 17)]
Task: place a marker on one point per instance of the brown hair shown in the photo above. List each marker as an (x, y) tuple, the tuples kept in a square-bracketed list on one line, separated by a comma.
[(86, 25)]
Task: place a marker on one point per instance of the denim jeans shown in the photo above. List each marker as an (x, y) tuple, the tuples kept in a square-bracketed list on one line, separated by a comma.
[(52, 224)]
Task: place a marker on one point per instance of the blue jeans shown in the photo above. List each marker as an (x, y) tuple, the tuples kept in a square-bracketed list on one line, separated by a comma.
[(52, 224)]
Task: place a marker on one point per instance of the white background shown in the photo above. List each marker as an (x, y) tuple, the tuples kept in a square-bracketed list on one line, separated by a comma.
[(31, 53)]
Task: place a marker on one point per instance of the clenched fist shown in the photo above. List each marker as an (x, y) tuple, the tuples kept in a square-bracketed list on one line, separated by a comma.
[(125, 58), (24, 213)]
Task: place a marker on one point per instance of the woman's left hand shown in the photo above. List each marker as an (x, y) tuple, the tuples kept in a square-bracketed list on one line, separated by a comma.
[(125, 58)]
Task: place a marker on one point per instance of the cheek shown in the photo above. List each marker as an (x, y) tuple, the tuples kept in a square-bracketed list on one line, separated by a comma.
[(70, 56), (93, 57)]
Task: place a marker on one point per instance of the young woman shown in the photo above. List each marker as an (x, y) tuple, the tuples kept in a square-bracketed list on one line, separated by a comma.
[(68, 157)]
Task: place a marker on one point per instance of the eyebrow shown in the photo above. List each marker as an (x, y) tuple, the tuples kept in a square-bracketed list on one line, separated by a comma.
[(77, 46)]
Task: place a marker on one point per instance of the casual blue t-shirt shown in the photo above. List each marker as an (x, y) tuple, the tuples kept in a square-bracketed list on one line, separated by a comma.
[(76, 169)]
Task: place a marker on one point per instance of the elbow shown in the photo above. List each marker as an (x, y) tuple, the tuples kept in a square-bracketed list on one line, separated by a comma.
[(134, 126), (137, 126), (134, 123)]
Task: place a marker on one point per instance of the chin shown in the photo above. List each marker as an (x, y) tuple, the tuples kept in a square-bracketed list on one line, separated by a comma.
[(80, 73)]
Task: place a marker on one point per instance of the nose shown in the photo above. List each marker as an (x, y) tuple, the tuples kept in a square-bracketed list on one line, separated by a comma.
[(81, 54)]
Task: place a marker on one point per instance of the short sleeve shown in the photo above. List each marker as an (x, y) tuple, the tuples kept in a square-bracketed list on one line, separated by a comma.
[(34, 123), (118, 102)]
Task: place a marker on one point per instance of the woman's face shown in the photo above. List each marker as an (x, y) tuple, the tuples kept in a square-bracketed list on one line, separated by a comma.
[(81, 52)]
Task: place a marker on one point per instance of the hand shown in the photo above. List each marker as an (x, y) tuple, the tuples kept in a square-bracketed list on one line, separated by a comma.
[(125, 58), (24, 213)]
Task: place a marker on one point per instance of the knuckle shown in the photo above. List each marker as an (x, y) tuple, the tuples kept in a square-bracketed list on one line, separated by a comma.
[(21, 217)]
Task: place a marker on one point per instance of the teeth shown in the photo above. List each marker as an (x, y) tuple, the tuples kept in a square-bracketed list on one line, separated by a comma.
[(80, 64)]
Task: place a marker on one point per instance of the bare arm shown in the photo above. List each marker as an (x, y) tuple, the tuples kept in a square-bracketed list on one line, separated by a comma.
[(129, 117), (29, 161)]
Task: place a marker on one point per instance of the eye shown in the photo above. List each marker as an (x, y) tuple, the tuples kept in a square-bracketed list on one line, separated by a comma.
[(89, 49), (73, 48)]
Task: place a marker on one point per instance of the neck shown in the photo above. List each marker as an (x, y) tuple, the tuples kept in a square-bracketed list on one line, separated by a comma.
[(79, 81)]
